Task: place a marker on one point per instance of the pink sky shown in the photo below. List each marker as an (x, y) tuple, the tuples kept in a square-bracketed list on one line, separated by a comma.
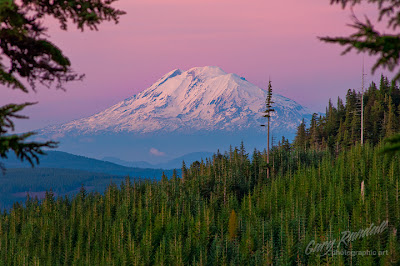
[(253, 38)]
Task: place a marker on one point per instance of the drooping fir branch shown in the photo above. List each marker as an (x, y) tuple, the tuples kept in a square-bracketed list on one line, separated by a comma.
[(367, 39), (28, 151), (24, 44)]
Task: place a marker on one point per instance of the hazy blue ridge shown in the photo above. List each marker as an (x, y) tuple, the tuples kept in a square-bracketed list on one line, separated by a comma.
[(171, 164), (63, 160)]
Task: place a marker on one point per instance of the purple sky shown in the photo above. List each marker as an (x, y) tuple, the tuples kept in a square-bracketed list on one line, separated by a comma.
[(253, 38)]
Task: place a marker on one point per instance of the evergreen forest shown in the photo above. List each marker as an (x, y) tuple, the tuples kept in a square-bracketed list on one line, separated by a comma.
[(225, 211)]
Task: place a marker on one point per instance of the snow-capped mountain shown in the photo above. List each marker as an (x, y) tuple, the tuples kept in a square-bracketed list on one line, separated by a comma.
[(200, 110), (199, 99)]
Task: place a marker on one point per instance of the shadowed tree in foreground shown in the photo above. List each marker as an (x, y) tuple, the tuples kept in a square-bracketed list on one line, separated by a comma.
[(28, 58), (367, 39), (23, 150)]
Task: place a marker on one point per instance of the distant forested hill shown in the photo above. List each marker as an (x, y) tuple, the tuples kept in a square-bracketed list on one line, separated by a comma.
[(17, 183), (63, 160), (220, 212), (171, 164), (64, 173)]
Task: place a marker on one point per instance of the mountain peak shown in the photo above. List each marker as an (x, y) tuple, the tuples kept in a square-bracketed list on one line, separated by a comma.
[(206, 71), (199, 99), (171, 74)]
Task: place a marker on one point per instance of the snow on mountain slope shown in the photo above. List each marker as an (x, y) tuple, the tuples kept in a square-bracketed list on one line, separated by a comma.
[(200, 99)]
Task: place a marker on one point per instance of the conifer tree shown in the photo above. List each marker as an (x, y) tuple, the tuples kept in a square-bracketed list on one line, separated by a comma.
[(390, 121), (164, 178), (232, 225), (267, 112), (184, 172), (301, 137), (16, 142)]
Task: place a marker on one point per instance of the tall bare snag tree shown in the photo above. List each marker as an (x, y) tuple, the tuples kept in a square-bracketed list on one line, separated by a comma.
[(267, 114)]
